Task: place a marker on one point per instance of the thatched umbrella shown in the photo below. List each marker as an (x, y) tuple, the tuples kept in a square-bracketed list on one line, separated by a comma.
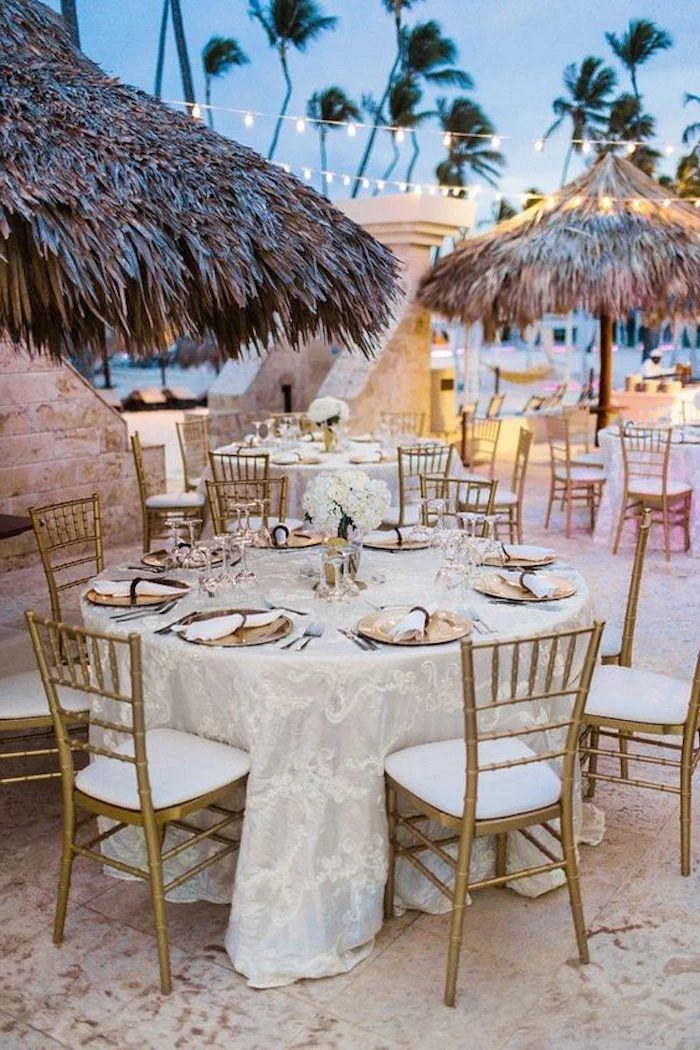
[(116, 212), (609, 241)]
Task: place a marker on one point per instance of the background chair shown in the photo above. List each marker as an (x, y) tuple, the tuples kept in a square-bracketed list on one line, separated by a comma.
[(415, 460), (223, 496), (509, 502), (460, 495), (69, 538), (404, 424), (239, 466), (480, 442), (512, 770), (569, 484), (616, 645), (152, 779), (159, 507), (193, 438), (646, 453), (495, 406), (638, 710), (582, 437)]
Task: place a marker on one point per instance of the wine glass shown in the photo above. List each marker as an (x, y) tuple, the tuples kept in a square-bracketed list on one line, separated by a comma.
[(195, 557), (175, 553)]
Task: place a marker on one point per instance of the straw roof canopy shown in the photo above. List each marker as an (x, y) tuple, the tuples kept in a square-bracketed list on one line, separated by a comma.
[(116, 212), (608, 242)]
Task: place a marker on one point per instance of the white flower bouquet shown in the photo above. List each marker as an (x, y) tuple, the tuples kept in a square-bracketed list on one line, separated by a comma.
[(348, 499), (327, 411)]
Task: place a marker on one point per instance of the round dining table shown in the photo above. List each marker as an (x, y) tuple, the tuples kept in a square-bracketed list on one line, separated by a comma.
[(684, 465), (306, 894)]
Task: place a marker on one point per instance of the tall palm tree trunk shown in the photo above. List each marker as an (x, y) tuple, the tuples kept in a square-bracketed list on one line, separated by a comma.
[(183, 54), (160, 57), (70, 15), (567, 161), (633, 78), (414, 157), (106, 370), (207, 99), (373, 133), (324, 159), (285, 104)]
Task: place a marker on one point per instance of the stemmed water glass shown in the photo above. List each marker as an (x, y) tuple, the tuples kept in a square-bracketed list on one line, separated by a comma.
[(196, 556), (176, 555), (243, 535), (221, 580)]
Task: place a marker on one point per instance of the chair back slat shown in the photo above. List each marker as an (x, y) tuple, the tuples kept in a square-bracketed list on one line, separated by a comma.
[(415, 460), (645, 453), (403, 424), (193, 438), (234, 466), (69, 536), (223, 496), (630, 620), (480, 442), (522, 457), (495, 406), (459, 495)]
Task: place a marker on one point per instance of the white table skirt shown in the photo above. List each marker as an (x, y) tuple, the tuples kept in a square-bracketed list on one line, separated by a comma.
[(307, 893), (684, 466)]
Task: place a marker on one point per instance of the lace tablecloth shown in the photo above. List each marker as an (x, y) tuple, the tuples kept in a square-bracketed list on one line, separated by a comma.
[(307, 892), (684, 466)]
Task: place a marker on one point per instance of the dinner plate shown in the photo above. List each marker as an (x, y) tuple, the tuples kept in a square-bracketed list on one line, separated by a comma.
[(244, 636), (443, 626), (297, 541), (391, 543), (158, 559), (521, 563), (495, 587), (141, 599)]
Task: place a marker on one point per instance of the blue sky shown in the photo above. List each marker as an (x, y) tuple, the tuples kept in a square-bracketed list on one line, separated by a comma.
[(515, 50)]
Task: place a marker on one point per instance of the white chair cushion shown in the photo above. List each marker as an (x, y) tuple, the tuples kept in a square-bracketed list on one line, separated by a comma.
[(611, 642), (589, 459), (581, 474), (505, 498), (181, 766), (653, 487), (176, 499), (638, 696), (436, 774), (411, 512), (23, 696)]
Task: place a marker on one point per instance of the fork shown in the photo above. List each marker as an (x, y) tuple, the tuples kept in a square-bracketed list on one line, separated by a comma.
[(313, 630), (285, 608), (148, 610), (481, 625)]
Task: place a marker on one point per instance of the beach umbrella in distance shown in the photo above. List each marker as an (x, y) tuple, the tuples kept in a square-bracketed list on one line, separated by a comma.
[(118, 214), (610, 241)]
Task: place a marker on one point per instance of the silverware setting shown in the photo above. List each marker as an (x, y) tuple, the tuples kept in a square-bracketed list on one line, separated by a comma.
[(481, 625), (169, 626), (523, 605), (146, 568), (285, 608), (360, 641), (147, 610), (311, 631)]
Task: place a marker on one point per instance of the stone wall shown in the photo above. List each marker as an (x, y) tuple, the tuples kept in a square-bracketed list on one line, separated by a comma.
[(60, 440)]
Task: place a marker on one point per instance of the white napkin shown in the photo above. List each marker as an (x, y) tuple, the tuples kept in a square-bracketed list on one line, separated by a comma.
[(317, 435), (284, 459), (306, 437), (362, 437), (388, 535), (372, 455), (122, 588), (528, 552), (311, 457), (413, 625), (540, 586), (220, 626)]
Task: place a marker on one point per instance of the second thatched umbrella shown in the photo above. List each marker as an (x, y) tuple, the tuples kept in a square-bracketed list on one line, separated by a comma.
[(608, 242), (117, 213)]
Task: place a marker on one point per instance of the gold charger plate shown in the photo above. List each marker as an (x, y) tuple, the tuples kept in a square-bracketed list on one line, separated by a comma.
[(298, 540), (157, 559), (244, 636), (495, 587), (391, 543), (141, 599), (520, 563), (443, 626)]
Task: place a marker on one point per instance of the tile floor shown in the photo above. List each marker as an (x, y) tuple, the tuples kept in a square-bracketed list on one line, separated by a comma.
[(520, 985)]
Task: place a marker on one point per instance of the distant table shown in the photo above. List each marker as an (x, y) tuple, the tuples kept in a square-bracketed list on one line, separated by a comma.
[(13, 525)]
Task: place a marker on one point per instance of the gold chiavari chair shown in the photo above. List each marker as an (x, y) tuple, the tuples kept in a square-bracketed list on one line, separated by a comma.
[(646, 453), (193, 438), (495, 406), (157, 508), (582, 435), (511, 771), (154, 779), (480, 442), (533, 404), (617, 643), (223, 496), (568, 483), (460, 496), (638, 710), (509, 502), (240, 466), (415, 460), (555, 399), (404, 424), (69, 538)]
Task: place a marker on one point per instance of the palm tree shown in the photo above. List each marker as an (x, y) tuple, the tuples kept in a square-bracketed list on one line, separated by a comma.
[(402, 103), (503, 210), (627, 122), (397, 9), (328, 108), (687, 180), (430, 56), (69, 11), (160, 54), (640, 41), (183, 55), (289, 23), (589, 86), (693, 130), (219, 55), (469, 149)]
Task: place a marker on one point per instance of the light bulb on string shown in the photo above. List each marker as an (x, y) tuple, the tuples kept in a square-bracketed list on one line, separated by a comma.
[(585, 146), (417, 190), (307, 173), (402, 187), (400, 135), (300, 125), (495, 142), (432, 190), (539, 145), (346, 180), (605, 203), (365, 184), (667, 202), (352, 130), (329, 177), (636, 204), (669, 150), (285, 169), (196, 112), (249, 120), (631, 147), (444, 191), (447, 139), (380, 184)]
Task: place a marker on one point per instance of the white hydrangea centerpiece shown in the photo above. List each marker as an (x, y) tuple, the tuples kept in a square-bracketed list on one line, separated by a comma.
[(327, 411), (343, 500)]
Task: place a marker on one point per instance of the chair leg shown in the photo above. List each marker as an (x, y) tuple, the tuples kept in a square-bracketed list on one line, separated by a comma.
[(620, 523), (67, 858), (569, 507), (501, 853), (549, 506), (574, 887), (389, 887), (457, 923), (155, 870), (622, 747), (686, 785), (667, 530), (592, 763), (686, 522)]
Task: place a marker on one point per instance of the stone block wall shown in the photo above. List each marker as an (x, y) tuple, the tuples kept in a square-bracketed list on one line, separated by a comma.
[(60, 440)]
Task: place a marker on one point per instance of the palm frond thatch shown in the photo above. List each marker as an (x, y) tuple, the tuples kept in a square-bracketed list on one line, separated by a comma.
[(608, 242), (117, 213)]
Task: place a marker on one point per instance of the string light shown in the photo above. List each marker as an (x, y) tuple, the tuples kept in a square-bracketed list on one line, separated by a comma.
[(301, 125), (667, 202), (631, 148), (495, 142), (307, 173), (447, 139), (605, 203), (417, 190), (585, 146), (668, 151), (402, 187), (365, 184), (346, 180), (249, 120), (329, 177), (380, 184), (196, 112), (539, 145), (286, 169), (352, 131), (636, 204), (400, 135)]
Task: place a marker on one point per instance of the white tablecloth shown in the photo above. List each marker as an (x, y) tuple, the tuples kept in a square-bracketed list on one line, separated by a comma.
[(684, 466), (307, 894)]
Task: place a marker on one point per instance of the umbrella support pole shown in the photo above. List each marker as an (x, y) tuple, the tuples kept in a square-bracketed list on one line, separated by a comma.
[(605, 381)]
